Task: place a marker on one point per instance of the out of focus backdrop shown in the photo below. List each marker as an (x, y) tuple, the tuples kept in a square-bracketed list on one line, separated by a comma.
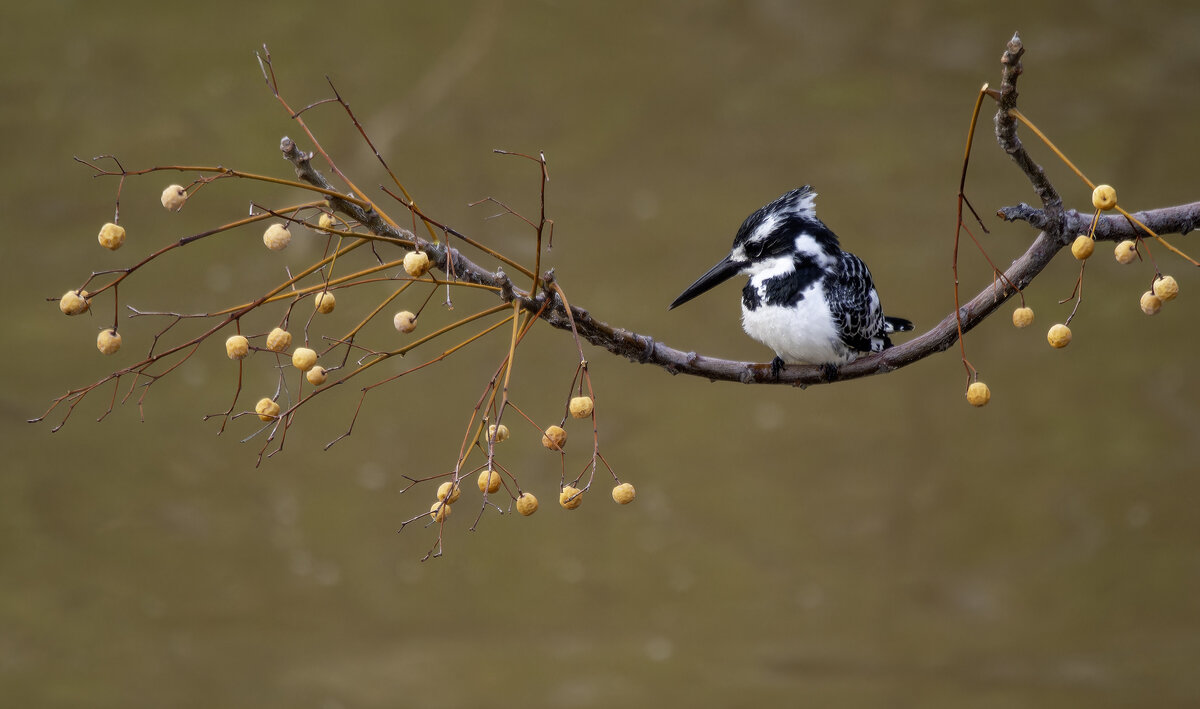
[(876, 542)]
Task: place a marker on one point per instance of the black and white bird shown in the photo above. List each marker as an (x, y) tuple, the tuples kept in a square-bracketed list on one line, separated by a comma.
[(806, 299)]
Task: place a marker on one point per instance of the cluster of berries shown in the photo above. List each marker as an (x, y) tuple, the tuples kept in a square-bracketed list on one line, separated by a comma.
[(1162, 289), (554, 438)]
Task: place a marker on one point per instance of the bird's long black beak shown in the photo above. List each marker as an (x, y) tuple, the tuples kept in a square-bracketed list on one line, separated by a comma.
[(716, 275)]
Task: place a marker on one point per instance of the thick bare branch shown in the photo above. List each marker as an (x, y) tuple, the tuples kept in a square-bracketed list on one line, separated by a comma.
[(1179, 219), (1006, 136)]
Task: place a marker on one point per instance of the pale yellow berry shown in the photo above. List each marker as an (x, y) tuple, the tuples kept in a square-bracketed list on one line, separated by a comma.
[(1150, 303), (173, 197), (1125, 252), (623, 494), (266, 409), (581, 407), (1104, 197), (416, 263), (304, 358), (405, 322), (570, 497), (1023, 317), (277, 237), (489, 481), (1059, 336), (74, 302), (237, 347), (498, 433), (439, 511), (555, 438), (449, 492), (978, 394), (316, 376), (325, 221), (1083, 247), (278, 340), (108, 341), (325, 302), (526, 504), (1166, 288), (111, 236)]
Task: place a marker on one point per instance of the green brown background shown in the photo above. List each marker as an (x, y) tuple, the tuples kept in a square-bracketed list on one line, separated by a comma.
[(871, 543)]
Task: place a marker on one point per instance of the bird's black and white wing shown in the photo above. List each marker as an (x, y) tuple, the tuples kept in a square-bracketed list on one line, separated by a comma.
[(854, 304)]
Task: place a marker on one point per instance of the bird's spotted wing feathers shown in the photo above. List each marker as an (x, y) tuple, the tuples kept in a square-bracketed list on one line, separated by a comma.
[(855, 306)]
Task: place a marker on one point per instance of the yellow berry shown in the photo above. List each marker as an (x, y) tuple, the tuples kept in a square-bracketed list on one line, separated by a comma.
[(1023, 317), (498, 433), (570, 497), (173, 197), (526, 504), (108, 341), (266, 409), (277, 237), (316, 376), (325, 302), (623, 494), (111, 236), (325, 221), (405, 322), (581, 407), (1083, 247), (1150, 303), (1125, 252), (449, 492), (555, 438), (416, 263), (74, 302), (439, 511), (1166, 288), (237, 347), (978, 394), (304, 358), (1104, 197), (279, 340), (1059, 336), (489, 481)]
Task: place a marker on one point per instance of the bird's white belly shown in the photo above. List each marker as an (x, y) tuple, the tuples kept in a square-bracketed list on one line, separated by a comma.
[(802, 333)]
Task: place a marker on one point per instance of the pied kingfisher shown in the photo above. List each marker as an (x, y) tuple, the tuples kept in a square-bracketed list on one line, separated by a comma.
[(806, 299)]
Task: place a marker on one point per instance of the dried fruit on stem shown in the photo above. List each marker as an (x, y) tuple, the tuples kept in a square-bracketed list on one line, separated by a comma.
[(237, 347), (1059, 336), (581, 407), (527, 504), (108, 341), (111, 236), (267, 409), (74, 302), (978, 394), (570, 497), (554, 438), (174, 197)]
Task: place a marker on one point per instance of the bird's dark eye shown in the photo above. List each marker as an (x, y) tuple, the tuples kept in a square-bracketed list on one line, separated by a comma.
[(773, 245)]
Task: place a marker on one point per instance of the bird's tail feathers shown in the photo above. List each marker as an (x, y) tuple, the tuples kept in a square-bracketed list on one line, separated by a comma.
[(891, 325)]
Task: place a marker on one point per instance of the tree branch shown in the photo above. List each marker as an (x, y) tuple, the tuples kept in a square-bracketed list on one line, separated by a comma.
[(1006, 136), (1056, 226), (1179, 219)]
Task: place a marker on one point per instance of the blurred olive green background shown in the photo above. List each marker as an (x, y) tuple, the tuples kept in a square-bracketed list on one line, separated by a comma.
[(871, 543)]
